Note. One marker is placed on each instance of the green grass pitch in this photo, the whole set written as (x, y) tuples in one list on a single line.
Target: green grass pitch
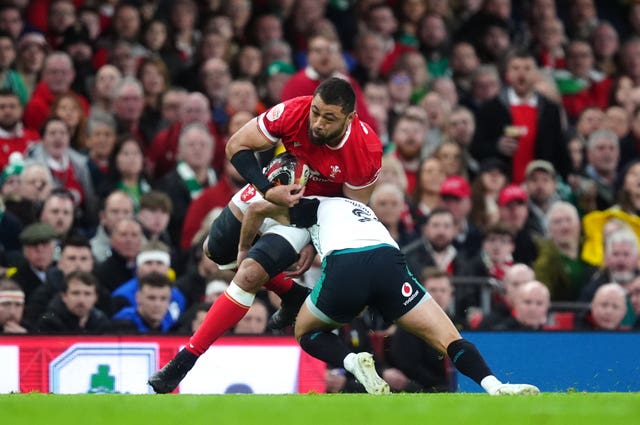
[(309, 409)]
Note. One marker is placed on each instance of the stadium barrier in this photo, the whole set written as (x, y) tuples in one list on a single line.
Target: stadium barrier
[(554, 361)]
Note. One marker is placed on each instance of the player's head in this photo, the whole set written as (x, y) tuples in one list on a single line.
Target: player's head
[(332, 110)]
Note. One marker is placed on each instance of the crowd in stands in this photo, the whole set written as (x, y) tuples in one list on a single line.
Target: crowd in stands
[(511, 132)]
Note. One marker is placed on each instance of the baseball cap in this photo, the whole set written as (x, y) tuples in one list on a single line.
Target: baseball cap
[(455, 186), (37, 233), (540, 164), (512, 193), (280, 67)]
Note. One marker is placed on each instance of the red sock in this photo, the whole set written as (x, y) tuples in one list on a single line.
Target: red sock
[(222, 316), (279, 284)]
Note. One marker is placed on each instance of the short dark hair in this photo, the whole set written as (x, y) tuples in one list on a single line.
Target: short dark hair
[(431, 272), (76, 240), (156, 200), (439, 211), (337, 91), (499, 229), (155, 280), (85, 277), (5, 92)]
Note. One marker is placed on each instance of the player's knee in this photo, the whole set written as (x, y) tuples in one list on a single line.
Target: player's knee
[(251, 276), (273, 253)]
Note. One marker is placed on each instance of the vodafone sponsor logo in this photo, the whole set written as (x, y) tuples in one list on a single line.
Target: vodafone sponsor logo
[(408, 293)]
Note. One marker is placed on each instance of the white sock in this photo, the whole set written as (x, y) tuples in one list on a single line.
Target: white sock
[(240, 295), (350, 361), (490, 383)]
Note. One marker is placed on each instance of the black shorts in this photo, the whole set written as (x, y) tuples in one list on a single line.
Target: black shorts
[(224, 236), (375, 276)]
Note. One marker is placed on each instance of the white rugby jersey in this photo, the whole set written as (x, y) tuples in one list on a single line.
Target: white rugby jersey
[(344, 223)]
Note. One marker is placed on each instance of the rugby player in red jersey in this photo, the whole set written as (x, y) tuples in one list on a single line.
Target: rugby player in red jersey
[(344, 155)]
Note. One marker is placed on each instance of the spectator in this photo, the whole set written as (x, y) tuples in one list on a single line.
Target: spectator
[(75, 255), (408, 136), (69, 108), (634, 299), (68, 167), (369, 54), (117, 205), (57, 76), (460, 128), (255, 321), (126, 170), (38, 247), (581, 85), (58, 212), (450, 155), (153, 258), (520, 125), (36, 184), (628, 182), (74, 311), (559, 264), (455, 194), (154, 77), (620, 263), (101, 138), (388, 202), (608, 309), (154, 213), (606, 45), (277, 73), (192, 174), (214, 78), (151, 314), (11, 20), (603, 154), (119, 267), (485, 190), (13, 136), (426, 195), (11, 308), (128, 105), (434, 43), (513, 211), (530, 308), (485, 86), (9, 78), (80, 47), (540, 184), (164, 149), (463, 62), (32, 50), (502, 304), (107, 78), (435, 246)]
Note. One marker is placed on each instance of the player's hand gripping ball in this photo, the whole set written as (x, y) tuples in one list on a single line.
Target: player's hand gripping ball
[(285, 169)]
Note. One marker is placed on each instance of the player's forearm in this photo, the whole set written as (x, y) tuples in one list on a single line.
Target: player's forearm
[(251, 223)]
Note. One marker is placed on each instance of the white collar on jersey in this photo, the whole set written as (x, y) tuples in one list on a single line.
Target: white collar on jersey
[(344, 139)]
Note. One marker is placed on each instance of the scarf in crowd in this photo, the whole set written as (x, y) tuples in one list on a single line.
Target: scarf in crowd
[(189, 177)]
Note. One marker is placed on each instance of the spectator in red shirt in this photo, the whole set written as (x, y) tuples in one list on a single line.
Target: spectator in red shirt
[(13, 137), (57, 76)]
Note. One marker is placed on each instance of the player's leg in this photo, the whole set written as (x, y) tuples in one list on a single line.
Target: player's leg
[(335, 300), (401, 298), (431, 323), (281, 240)]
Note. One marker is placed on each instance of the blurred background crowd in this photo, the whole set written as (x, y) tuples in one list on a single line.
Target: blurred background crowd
[(510, 179)]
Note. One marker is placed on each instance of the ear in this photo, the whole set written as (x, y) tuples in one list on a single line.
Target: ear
[(351, 116)]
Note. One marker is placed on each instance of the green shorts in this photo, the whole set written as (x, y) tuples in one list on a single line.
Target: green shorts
[(375, 276)]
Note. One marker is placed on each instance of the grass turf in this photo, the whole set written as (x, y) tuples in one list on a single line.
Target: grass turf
[(477, 409)]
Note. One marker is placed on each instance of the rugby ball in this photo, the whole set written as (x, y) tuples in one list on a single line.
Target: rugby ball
[(286, 169)]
